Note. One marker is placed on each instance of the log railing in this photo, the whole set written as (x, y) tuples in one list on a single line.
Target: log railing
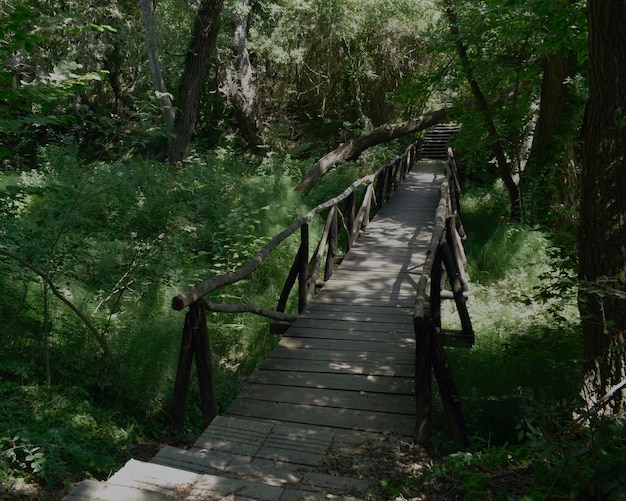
[(444, 265), (348, 212)]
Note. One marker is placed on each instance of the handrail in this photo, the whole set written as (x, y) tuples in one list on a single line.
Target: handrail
[(445, 258), (197, 292), (195, 340)]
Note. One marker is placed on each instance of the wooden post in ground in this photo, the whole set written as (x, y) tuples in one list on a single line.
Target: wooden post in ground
[(449, 394), (423, 326), (195, 344), (303, 268), (183, 375), (204, 365)]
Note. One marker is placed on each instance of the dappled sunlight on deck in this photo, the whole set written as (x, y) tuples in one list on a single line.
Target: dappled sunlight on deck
[(347, 363)]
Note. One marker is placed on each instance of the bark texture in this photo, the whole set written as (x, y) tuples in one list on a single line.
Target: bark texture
[(240, 87), (483, 105), (602, 232), (164, 99), (550, 173), (196, 66)]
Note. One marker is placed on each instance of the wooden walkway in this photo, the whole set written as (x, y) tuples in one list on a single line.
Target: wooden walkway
[(348, 361), (342, 374)]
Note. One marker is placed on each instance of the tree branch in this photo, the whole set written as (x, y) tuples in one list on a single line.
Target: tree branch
[(88, 323), (250, 308), (353, 148)]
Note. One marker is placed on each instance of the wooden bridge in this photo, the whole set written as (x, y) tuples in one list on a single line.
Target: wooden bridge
[(344, 372)]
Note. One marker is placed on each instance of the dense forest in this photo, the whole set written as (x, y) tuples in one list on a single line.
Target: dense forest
[(147, 146)]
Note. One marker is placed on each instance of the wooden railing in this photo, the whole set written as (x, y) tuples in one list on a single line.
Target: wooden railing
[(444, 265), (348, 212)]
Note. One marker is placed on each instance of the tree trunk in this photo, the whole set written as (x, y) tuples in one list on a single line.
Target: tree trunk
[(353, 148), (549, 174), (481, 101), (602, 232), (239, 86), (196, 66), (164, 99)]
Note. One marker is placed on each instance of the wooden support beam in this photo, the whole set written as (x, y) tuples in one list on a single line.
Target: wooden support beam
[(449, 393), (195, 344), (303, 268), (204, 365), (423, 374), (183, 375)]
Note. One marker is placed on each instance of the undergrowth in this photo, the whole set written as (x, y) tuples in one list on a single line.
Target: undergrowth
[(118, 240), (519, 385)]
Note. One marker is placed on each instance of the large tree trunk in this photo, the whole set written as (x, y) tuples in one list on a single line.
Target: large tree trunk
[(550, 175), (163, 97), (240, 87), (196, 66), (353, 148), (481, 101), (602, 233)]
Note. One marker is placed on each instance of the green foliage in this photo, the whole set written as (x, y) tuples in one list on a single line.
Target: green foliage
[(35, 89), (584, 463), (520, 383), (335, 61), (120, 240), (525, 318), (57, 436)]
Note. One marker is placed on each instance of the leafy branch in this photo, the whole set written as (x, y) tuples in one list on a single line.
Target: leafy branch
[(100, 337)]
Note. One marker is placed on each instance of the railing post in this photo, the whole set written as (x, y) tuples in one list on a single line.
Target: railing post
[(388, 181), (333, 234), (350, 215), (380, 187), (451, 262), (303, 268), (449, 394), (436, 279), (204, 365), (195, 344), (423, 327), (183, 375)]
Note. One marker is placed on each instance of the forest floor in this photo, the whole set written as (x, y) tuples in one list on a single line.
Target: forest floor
[(397, 470)]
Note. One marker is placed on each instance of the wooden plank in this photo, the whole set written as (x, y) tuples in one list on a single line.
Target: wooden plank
[(342, 345), (385, 353), (390, 316), (328, 417), (346, 298), (375, 368), (354, 382), (387, 337), (382, 280), (405, 266), (322, 397), (322, 323), (359, 308)]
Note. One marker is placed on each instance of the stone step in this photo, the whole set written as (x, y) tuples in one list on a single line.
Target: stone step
[(140, 481), (238, 459), (435, 144)]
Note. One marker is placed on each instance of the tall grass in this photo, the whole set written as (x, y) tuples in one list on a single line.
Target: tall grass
[(528, 339), (120, 239)]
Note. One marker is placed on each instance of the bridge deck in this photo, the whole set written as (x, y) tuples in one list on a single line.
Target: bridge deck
[(342, 374), (348, 361)]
